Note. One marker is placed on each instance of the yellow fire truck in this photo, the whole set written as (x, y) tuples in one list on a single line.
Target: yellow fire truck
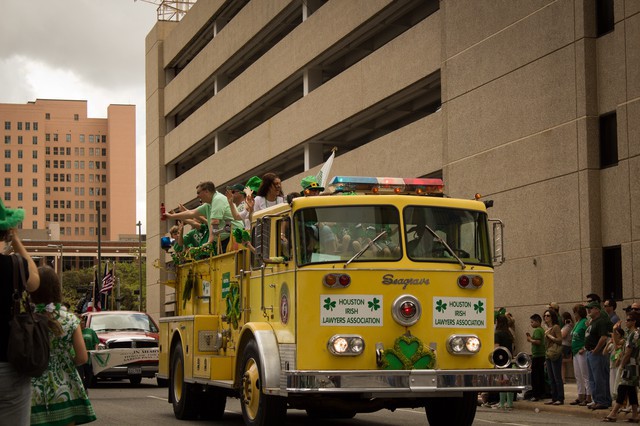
[(378, 296)]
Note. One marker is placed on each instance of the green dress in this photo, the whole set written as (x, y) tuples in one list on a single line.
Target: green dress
[(58, 396)]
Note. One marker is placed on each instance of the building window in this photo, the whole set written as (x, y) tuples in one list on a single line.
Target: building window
[(19, 140), (604, 16), (7, 168), (608, 140), (7, 196), (55, 137), (47, 137), (19, 196), (612, 272), (7, 125), (34, 140), (7, 139), (19, 153), (27, 125), (34, 224), (19, 125), (35, 196), (19, 181), (35, 211), (34, 168), (34, 154), (35, 126), (82, 138), (47, 116), (68, 137), (7, 182), (7, 153), (19, 168), (76, 117), (34, 182)]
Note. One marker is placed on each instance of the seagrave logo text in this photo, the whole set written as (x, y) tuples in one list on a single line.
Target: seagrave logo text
[(389, 279)]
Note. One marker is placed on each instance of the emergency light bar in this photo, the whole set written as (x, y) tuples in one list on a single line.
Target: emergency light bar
[(387, 185)]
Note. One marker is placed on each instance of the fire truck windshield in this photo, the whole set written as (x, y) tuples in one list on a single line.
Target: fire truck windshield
[(331, 234), (460, 235), (431, 234)]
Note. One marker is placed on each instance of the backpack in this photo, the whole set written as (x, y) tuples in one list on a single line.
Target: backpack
[(29, 343)]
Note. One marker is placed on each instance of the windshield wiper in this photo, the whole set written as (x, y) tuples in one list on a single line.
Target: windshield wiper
[(360, 253), (444, 243)]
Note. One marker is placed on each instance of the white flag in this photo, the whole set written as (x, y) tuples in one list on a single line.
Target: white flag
[(323, 175)]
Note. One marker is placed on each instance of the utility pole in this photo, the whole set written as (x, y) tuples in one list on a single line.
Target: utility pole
[(60, 248), (139, 225)]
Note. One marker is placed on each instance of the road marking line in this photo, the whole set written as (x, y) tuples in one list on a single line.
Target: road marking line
[(156, 397)]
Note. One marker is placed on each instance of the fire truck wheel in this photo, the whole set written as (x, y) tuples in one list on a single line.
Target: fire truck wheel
[(452, 411), (182, 394), (258, 408), (135, 380)]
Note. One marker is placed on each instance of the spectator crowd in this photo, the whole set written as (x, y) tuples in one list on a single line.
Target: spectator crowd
[(602, 347)]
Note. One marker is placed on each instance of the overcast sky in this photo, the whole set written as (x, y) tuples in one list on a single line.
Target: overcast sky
[(89, 50)]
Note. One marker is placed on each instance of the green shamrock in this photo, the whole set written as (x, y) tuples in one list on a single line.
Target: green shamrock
[(374, 306), (328, 304), (408, 353), (478, 307), (441, 307)]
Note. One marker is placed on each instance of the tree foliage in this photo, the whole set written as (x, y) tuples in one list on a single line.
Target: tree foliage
[(78, 284)]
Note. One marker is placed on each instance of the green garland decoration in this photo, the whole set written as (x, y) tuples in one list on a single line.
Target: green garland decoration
[(189, 284), (408, 353), (241, 235), (232, 300)]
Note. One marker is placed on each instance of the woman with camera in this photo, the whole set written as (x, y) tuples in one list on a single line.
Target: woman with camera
[(629, 365)]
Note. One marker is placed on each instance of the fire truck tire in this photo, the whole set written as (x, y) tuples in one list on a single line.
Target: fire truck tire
[(182, 394), (257, 408), (452, 411), (135, 380)]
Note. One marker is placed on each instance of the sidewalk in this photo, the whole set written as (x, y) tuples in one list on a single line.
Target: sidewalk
[(570, 394)]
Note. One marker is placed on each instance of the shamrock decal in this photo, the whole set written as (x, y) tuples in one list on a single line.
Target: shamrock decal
[(408, 353), (329, 304), (441, 307), (375, 305), (478, 307)]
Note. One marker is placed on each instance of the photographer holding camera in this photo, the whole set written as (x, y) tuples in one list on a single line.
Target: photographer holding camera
[(629, 365)]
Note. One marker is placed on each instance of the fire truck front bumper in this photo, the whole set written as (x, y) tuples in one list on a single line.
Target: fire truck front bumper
[(412, 382)]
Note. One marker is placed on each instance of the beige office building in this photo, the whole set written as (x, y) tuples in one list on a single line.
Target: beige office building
[(533, 104), (60, 166)]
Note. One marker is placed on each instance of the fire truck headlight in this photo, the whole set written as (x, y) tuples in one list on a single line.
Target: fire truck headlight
[(473, 344), (456, 344), (406, 310), (346, 345), (463, 344)]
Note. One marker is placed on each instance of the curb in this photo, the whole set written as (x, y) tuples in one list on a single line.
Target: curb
[(574, 410)]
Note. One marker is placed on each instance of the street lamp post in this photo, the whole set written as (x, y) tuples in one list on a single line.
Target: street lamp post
[(139, 225), (60, 248)]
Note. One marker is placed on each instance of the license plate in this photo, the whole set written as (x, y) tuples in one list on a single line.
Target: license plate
[(134, 371)]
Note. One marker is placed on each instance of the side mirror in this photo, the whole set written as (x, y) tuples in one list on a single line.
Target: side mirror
[(497, 241)]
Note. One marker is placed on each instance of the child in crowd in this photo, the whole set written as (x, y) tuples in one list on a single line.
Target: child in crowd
[(536, 338), (59, 394)]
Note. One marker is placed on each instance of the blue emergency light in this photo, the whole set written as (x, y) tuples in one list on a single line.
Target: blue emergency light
[(387, 185)]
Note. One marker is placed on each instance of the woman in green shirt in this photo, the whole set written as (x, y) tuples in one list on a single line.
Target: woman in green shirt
[(580, 369)]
